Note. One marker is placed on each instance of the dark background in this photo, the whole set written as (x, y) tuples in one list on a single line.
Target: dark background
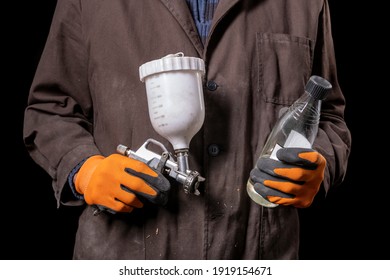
[(351, 224)]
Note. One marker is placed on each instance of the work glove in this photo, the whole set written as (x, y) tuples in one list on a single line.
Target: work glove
[(119, 184), (293, 180)]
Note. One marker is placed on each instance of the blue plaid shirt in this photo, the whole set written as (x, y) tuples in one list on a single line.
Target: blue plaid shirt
[(202, 11)]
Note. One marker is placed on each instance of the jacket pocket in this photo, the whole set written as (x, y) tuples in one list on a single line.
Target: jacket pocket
[(284, 63)]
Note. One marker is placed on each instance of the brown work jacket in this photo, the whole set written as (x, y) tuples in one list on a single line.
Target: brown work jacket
[(87, 97)]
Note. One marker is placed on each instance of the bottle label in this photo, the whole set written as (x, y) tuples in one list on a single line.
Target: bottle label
[(294, 140)]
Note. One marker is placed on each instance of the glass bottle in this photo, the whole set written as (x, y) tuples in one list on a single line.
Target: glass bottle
[(297, 127)]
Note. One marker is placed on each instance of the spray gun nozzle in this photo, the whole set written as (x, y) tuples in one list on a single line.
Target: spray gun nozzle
[(192, 182)]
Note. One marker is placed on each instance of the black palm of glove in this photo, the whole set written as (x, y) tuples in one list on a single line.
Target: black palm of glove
[(293, 180)]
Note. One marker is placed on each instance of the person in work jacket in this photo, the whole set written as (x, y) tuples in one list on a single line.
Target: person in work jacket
[(87, 97)]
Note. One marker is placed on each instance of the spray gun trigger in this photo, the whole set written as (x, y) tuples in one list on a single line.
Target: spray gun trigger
[(163, 160)]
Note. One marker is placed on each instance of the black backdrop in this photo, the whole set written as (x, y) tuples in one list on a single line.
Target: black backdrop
[(352, 224)]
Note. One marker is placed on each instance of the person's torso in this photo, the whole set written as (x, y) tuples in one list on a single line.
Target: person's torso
[(258, 57)]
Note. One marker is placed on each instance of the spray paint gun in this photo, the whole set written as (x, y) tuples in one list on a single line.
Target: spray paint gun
[(176, 110)]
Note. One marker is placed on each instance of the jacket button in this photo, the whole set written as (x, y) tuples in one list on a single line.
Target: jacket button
[(213, 150), (211, 85)]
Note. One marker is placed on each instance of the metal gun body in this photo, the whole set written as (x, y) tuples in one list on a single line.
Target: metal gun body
[(165, 164)]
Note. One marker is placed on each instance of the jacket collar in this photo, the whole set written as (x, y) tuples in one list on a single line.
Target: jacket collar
[(180, 11)]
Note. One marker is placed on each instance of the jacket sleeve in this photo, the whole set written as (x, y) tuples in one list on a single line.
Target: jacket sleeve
[(58, 118), (334, 137)]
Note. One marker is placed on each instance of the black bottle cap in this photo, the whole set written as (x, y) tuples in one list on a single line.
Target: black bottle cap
[(318, 87)]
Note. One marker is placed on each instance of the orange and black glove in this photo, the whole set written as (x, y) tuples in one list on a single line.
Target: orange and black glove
[(119, 184), (293, 180)]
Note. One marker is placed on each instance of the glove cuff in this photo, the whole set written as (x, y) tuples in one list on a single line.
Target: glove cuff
[(82, 178)]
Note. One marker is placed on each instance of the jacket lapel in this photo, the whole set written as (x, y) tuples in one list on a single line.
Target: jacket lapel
[(180, 11), (223, 7)]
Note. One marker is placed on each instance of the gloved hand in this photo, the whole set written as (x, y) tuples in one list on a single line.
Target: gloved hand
[(117, 183), (294, 180)]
